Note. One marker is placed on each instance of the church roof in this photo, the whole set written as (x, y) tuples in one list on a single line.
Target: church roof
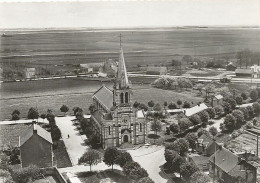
[(121, 72), (105, 96), (35, 129)]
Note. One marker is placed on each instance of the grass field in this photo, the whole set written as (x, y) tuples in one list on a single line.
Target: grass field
[(52, 94)]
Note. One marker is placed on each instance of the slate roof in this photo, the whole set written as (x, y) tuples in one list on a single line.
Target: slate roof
[(225, 160), (218, 97), (204, 139), (105, 96), (39, 131), (195, 109)]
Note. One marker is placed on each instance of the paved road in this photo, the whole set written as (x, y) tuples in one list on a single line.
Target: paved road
[(151, 158)]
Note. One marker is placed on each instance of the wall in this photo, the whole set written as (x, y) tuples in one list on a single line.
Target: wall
[(54, 172)]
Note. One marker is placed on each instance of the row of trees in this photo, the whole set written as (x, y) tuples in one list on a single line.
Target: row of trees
[(168, 82), (113, 156), (34, 114)]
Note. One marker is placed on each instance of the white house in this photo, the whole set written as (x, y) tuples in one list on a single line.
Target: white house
[(256, 71)]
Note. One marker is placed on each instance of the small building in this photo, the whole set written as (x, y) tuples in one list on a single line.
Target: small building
[(217, 100), (152, 70), (206, 145), (196, 109), (256, 71), (36, 147), (201, 161), (229, 168), (30, 73), (244, 72), (92, 67)]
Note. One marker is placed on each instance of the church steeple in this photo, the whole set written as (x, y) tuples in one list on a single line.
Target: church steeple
[(122, 77)]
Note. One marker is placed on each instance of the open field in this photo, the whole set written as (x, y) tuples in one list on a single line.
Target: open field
[(140, 46), (52, 94)]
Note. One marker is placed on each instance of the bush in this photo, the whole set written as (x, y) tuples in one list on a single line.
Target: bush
[(64, 109), (16, 112), (27, 174), (184, 124), (33, 113), (195, 119), (186, 104), (172, 106), (175, 128), (15, 117), (55, 133), (254, 95)]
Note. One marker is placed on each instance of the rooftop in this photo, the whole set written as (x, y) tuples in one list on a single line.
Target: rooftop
[(243, 71), (195, 109), (105, 96)]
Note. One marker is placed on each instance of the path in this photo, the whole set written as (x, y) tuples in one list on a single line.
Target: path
[(23, 121), (75, 143), (151, 159)]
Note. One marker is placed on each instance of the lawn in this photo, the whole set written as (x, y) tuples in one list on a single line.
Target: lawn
[(115, 176), (61, 155)]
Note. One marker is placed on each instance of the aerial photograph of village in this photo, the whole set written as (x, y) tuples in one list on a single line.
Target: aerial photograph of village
[(152, 100)]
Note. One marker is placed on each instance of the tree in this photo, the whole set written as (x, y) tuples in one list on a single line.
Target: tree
[(55, 133), (145, 180), (244, 96), (133, 170), (151, 104), (186, 104), (51, 118), (165, 104), (110, 156), (202, 131), (232, 103), (175, 128), (256, 108), (239, 116), (27, 174), (200, 177), (187, 58), (94, 140), (245, 112), (227, 107), (250, 110), (33, 113), (254, 95), (43, 116), (230, 122), (136, 104), (6, 176), (157, 107), (213, 131), (179, 102), (15, 117), (91, 108), (209, 88), (180, 145), (204, 116), (192, 139), (187, 169), (172, 106), (173, 160), (156, 126), (211, 112), (89, 158), (239, 100), (195, 119), (218, 109), (64, 109), (123, 158), (184, 124), (143, 106), (200, 87), (76, 109), (16, 112)]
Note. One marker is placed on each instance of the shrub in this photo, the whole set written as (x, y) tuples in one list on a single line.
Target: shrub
[(175, 128), (195, 119), (186, 104), (213, 131), (184, 124), (254, 95), (172, 106), (64, 109), (15, 117), (27, 174), (33, 113)]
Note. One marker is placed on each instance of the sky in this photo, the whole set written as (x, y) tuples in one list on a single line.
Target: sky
[(121, 14)]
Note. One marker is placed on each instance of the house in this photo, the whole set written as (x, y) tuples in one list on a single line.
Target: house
[(217, 100), (116, 123), (206, 145), (110, 67), (243, 73), (229, 168), (202, 162), (152, 70), (30, 73), (256, 71), (196, 109), (92, 67), (36, 147)]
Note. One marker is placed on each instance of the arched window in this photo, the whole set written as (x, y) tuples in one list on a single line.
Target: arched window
[(126, 97), (122, 98), (109, 130), (140, 127)]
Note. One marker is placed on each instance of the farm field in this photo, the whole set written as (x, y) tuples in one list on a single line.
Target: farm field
[(153, 46), (52, 94)]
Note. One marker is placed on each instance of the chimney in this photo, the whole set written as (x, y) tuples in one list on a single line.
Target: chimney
[(34, 129)]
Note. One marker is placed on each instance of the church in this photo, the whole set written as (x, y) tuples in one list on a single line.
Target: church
[(116, 121)]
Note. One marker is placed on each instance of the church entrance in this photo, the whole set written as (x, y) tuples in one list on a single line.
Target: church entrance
[(125, 138)]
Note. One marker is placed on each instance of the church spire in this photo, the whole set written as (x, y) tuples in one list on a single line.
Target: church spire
[(122, 77)]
